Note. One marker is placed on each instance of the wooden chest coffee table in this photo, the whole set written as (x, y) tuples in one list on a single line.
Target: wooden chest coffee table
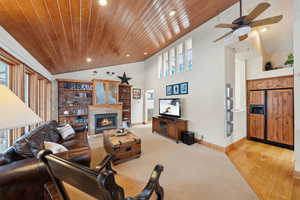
[(125, 147)]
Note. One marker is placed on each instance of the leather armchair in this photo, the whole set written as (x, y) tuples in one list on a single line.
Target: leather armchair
[(24, 178), (92, 184)]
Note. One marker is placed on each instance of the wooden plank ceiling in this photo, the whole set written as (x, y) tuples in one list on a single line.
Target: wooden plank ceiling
[(61, 34)]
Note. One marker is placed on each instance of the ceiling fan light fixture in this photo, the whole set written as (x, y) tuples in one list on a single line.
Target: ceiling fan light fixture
[(103, 2), (242, 31)]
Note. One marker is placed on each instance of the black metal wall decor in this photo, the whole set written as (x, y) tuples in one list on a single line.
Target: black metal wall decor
[(124, 79)]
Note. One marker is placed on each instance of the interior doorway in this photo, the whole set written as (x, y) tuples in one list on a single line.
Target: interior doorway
[(149, 105)]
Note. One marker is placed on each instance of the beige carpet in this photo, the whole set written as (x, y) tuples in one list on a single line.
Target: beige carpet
[(191, 172)]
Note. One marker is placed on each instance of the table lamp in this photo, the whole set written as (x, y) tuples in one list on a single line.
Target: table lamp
[(14, 113)]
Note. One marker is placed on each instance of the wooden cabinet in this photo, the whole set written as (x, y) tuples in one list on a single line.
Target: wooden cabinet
[(271, 83), (169, 127), (280, 116), (256, 122), (257, 126), (257, 97), (276, 124), (125, 99)]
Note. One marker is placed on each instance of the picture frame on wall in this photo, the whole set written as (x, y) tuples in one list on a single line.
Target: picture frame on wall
[(169, 90), (136, 93), (184, 88), (176, 89)]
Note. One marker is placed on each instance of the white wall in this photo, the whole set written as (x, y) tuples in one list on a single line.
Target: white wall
[(273, 45), (9, 44), (257, 73), (239, 116), (133, 70), (297, 81), (253, 50), (278, 40), (203, 107)]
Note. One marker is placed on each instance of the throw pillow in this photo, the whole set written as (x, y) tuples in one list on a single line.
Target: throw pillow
[(32, 142), (47, 131), (66, 132), (54, 147), (36, 143), (22, 147)]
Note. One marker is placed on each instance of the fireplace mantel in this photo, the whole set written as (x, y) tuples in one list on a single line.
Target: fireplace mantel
[(101, 106), (103, 109)]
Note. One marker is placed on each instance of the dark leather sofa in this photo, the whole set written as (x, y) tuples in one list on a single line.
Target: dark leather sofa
[(22, 175)]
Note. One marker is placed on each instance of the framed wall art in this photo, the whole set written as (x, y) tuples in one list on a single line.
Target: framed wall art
[(136, 93), (176, 89), (184, 88), (169, 90)]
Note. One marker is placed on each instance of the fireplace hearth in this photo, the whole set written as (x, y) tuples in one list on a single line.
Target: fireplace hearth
[(105, 121)]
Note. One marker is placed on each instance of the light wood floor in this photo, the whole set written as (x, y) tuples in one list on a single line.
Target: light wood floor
[(267, 169)]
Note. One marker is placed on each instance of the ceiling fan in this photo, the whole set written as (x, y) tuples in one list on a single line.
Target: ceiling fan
[(243, 25)]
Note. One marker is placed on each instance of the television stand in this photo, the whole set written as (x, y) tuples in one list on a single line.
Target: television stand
[(170, 127)]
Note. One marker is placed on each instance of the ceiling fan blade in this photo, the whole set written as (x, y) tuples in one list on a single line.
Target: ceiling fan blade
[(267, 21), (226, 26), (260, 8), (224, 36), (243, 37)]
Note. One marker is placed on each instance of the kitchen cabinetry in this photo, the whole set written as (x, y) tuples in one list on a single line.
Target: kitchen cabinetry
[(271, 111)]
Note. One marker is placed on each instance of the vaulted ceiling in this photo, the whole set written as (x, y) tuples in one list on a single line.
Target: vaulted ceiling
[(62, 34)]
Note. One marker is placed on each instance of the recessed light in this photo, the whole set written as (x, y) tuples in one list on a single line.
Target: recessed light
[(263, 29), (127, 55), (145, 53), (172, 13), (103, 2), (88, 60)]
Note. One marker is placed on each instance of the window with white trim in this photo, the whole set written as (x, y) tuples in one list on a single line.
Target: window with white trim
[(172, 61), (177, 59), (4, 80), (4, 73), (26, 94), (166, 63), (189, 54), (160, 66), (180, 57)]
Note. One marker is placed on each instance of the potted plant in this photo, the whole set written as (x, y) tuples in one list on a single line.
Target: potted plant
[(290, 60)]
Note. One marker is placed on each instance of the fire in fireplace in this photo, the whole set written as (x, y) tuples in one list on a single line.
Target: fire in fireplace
[(105, 122)]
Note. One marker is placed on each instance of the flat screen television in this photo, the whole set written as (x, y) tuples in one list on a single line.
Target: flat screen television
[(170, 107)]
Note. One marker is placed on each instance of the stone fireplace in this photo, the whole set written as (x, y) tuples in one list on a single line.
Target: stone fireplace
[(104, 117)]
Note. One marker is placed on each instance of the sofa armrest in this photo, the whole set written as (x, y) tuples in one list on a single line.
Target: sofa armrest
[(21, 170), (80, 140), (31, 168), (80, 155)]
